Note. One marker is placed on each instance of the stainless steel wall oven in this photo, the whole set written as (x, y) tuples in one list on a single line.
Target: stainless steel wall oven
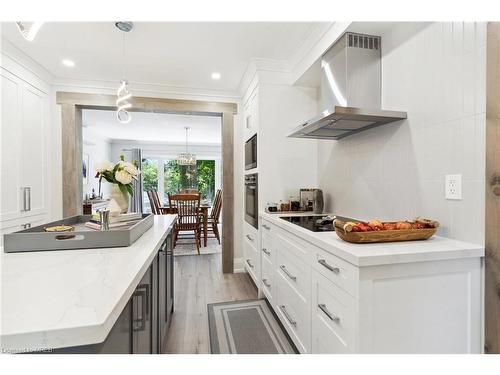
[(252, 199)]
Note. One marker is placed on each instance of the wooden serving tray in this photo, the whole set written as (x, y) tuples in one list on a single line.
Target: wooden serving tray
[(384, 235)]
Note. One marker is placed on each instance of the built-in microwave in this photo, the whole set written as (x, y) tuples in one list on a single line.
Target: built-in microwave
[(251, 199), (251, 153)]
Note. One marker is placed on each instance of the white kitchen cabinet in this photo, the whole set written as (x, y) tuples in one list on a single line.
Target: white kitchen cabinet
[(423, 301), (251, 114), (333, 317), (251, 253), (24, 151)]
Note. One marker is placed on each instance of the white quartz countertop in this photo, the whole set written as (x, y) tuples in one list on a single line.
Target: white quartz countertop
[(54, 299), (435, 248)]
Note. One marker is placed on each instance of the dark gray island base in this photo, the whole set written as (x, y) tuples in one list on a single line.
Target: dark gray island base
[(142, 326)]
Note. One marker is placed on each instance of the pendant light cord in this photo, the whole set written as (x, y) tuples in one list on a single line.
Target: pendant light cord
[(123, 56)]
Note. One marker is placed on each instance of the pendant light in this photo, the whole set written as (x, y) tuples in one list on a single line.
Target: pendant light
[(186, 158), (123, 94)]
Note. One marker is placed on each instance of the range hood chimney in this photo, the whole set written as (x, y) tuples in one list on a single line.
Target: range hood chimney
[(350, 90)]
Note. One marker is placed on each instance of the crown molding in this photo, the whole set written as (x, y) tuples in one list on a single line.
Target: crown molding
[(11, 54), (147, 89)]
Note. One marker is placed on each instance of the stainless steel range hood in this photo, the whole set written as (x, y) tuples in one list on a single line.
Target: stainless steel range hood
[(350, 91)]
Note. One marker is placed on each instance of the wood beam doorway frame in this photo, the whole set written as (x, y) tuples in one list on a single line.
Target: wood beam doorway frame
[(72, 105)]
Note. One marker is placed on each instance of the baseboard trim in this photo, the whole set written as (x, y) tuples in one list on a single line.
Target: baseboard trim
[(239, 265)]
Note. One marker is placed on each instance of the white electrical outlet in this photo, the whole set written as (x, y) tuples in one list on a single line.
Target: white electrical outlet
[(453, 186)]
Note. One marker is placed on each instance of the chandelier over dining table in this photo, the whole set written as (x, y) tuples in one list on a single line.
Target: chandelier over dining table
[(186, 158)]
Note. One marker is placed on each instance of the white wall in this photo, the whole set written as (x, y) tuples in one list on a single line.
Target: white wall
[(285, 164), (436, 73), (99, 149)]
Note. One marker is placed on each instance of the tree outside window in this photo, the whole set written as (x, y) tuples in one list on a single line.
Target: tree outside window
[(177, 177)]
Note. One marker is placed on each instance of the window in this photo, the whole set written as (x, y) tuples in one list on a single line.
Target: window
[(201, 177), (176, 177), (149, 172)]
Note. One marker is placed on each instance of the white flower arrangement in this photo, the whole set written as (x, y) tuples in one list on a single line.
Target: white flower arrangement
[(121, 173)]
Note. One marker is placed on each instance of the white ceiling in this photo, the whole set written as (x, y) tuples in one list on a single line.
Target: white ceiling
[(182, 54), (155, 127)]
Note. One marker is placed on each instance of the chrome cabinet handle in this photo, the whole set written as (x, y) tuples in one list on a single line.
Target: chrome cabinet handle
[(332, 317), (287, 316), (267, 252), (328, 266), (250, 264), (140, 320), (26, 226), (294, 278), (264, 281), (249, 237), (267, 227), (28, 189), (25, 197)]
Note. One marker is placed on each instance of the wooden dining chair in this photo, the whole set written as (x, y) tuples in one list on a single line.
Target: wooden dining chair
[(156, 207), (213, 218), (187, 207)]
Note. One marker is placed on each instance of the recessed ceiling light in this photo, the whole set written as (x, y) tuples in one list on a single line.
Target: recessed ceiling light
[(68, 62), (215, 75)]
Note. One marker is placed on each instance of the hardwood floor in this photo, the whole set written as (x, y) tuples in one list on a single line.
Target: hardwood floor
[(198, 281)]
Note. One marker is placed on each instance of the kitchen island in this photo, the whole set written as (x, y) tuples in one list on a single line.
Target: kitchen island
[(399, 297), (89, 300)]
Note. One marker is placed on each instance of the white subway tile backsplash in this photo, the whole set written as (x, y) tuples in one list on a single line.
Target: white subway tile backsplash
[(436, 72), (481, 33), (480, 147), (480, 80), (469, 83), (468, 216), (469, 36)]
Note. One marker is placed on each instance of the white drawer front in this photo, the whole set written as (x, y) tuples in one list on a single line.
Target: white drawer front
[(267, 227), (268, 286), (342, 273), (333, 317), (252, 262), (295, 314), (290, 243), (251, 236), (296, 273), (268, 248)]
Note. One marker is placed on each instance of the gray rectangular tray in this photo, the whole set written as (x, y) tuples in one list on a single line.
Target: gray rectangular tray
[(36, 239)]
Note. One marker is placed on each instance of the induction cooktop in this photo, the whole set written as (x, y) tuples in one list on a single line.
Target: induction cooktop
[(314, 223)]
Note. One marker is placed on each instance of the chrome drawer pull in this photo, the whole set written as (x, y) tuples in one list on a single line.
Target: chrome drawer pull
[(326, 265), (264, 281), (28, 189), (250, 264), (287, 316), (332, 317), (267, 252), (294, 278), (266, 227), (249, 237)]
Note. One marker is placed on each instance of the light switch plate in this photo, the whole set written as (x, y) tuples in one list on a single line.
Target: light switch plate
[(453, 186)]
